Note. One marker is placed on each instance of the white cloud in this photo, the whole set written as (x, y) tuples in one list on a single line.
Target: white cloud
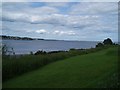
[(71, 33), (58, 32), (26, 14), (50, 15), (53, 19), (42, 31)]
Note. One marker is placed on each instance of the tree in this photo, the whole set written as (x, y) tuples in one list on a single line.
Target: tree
[(7, 50), (4, 49), (99, 45), (40, 52), (31, 53), (108, 41)]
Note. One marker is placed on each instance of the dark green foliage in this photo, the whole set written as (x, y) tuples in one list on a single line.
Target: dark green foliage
[(40, 52), (16, 38), (55, 52), (100, 45), (108, 41), (72, 49)]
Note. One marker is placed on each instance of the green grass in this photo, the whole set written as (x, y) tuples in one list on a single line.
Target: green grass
[(13, 66), (90, 70)]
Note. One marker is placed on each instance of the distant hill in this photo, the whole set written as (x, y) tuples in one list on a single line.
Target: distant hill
[(4, 37), (17, 38)]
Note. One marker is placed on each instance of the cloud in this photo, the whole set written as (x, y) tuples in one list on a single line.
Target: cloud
[(94, 0), (54, 0), (27, 8), (58, 32), (15, 1), (42, 31), (42, 10), (61, 1), (78, 21), (95, 8), (15, 12), (57, 4), (51, 15)]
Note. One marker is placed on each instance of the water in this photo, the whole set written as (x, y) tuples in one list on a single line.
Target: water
[(26, 46)]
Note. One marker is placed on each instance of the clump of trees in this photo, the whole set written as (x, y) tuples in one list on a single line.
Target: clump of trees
[(106, 42), (16, 38), (100, 45), (40, 52)]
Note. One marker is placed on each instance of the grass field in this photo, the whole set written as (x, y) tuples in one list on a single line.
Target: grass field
[(90, 70)]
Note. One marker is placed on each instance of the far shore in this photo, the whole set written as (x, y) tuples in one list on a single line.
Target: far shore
[(4, 37)]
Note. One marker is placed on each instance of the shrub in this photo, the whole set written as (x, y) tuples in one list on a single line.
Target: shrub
[(7, 50), (40, 52), (108, 41), (31, 53), (100, 45)]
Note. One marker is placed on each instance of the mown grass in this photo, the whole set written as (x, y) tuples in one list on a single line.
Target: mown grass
[(13, 66), (83, 71)]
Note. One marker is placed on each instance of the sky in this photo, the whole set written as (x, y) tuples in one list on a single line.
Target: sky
[(60, 0), (82, 21)]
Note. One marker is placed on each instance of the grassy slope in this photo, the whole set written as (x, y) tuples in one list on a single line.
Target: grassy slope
[(80, 71)]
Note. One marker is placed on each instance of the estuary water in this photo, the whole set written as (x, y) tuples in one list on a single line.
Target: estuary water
[(26, 46)]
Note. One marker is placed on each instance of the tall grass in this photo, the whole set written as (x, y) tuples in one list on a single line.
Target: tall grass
[(17, 65)]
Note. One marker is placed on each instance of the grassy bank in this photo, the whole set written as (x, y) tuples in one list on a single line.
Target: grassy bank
[(90, 70), (14, 66)]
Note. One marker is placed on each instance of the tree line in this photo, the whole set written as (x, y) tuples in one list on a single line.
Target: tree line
[(107, 41)]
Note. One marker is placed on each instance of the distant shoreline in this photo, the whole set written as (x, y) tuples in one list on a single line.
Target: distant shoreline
[(5, 37)]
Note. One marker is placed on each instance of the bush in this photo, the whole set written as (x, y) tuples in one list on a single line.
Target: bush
[(4, 50), (100, 45), (40, 52), (55, 52), (108, 41), (7, 50)]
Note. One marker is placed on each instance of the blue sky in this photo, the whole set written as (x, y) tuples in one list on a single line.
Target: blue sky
[(86, 21)]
